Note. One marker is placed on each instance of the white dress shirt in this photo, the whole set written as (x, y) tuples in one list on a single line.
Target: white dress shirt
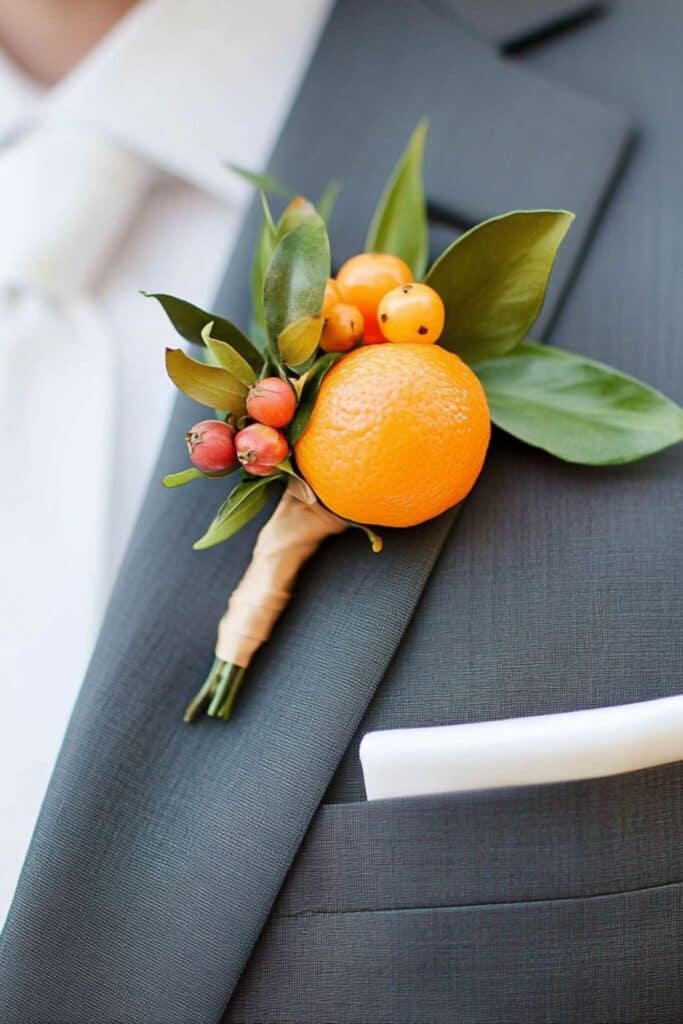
[(173, 91)]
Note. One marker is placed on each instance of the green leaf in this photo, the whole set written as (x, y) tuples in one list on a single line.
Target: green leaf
[(210, 385), (309, 393), (577, 409), (328, 199), (185, 476), (263, 254), (241, 505), (493, 280), (299, 340), (298, 211), (189, 321), (296, 278), (264, 182), (228, 357), (399, 224)]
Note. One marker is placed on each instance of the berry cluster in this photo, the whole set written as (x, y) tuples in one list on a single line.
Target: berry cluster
[(216, 448), (374, 299)]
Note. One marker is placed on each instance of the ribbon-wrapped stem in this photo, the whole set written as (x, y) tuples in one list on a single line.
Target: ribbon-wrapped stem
[(293, 533)]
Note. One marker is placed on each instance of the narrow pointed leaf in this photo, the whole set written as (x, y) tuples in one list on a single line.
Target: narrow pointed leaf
[(299, 340), (263, 254), (210, 385), (493, 281), (309, 393), (189, 321), (264, 182), (577, 409), (185, 476), (228, 357), (328, 200), (399, 224), (296, 278), (239, 508)]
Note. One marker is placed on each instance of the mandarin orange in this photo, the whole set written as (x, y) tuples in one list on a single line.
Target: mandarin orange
[(397, 435), (364, 279)]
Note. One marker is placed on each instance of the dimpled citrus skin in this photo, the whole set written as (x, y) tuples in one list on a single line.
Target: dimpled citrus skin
[(398, 434)]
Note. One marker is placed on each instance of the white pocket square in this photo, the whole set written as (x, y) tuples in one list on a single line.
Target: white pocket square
[(522, 751)]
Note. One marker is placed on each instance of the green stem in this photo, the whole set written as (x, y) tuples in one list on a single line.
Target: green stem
[(202, 698), (225, 710), (225, 676), (218, 693)]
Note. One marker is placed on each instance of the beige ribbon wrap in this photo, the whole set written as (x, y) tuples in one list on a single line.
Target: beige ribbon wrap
[(293, 533)]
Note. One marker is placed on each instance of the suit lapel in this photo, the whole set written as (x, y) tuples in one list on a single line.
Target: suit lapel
[(167, 844)]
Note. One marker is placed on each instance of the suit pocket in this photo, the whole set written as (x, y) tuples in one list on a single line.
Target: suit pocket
[(611, 959), (555, 903), (586, 838)]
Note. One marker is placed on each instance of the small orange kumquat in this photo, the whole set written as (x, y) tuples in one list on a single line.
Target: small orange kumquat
[(365, 279), (343, 328), (411, 314)]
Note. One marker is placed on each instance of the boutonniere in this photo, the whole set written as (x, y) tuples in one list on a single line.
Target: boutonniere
[(370, 395)]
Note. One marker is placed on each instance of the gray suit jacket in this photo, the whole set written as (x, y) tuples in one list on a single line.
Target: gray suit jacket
[(182, 875)]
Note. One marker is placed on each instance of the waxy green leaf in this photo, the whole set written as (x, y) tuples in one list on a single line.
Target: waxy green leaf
[(309, 393), (189, 321), (241, 505), (298, 211), (263, 254), (577, 409), (296, 278), (399, 224), (228, 357), (493, 281), (264, 182), (185, 476), (299, 340), (210, 385)]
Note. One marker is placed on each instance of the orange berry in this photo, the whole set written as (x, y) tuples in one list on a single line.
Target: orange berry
[(365, 279), (343, 328), (372, 334), (412, 313), (331, 297), (398, 434)]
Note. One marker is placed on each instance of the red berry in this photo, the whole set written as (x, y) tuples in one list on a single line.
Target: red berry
[(272, 401), (261, 448), (211, 445)]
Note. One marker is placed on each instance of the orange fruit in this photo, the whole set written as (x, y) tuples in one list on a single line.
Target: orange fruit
[(343, 328), (331, 296), (372, 335), (397, 435), (412, 313), (364, 279)]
